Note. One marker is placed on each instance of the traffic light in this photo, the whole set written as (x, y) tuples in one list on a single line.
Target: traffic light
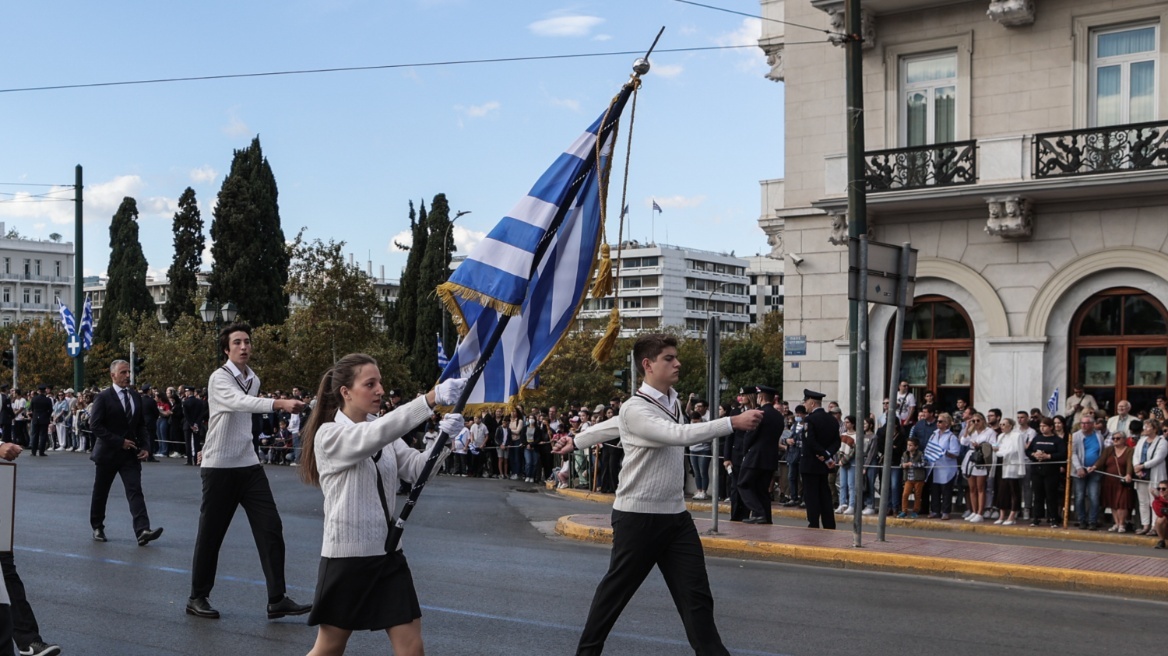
[(622, 380), (9, 359), (139, 365)]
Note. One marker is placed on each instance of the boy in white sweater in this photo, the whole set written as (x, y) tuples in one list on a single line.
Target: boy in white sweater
[(233, 476), (650, 525)]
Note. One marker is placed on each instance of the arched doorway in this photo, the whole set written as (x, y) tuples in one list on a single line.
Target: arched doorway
[(1119, 348), (937, 354)]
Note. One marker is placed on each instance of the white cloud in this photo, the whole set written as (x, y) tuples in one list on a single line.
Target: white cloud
[(102, 200), (675, 202), (602, 37), (687, 30), (566, 103), (666, 70), (158, 206), (747, 34), (479, 111), (204, 174), (464, 239), (39, 227), (574, 26), (235, 126)]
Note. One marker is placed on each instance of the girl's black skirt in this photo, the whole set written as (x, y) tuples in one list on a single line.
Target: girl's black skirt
[(366, 593)]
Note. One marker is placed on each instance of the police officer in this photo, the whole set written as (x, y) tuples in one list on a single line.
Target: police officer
[(794, 454), (821, 441), (761, 458), (732, 453)]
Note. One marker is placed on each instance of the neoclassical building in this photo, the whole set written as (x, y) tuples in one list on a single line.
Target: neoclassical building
[(1022, 147)]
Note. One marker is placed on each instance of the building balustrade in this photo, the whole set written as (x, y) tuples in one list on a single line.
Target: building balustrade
[(1111, 149), (937, 165)]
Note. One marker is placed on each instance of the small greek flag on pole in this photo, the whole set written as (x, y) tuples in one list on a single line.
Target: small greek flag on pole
[(442, 359), (1052, 404), (67, 320), (656, 207), (87, 325)]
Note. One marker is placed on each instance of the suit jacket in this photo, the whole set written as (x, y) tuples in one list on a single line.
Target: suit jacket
[(733, 449), (6, 414), (821, 439), (194, 412), (110, 426), (761, 445), (40, 409)]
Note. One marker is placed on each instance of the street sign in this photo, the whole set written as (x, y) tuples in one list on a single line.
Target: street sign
[(73, 346), (881, 288), (795, 345), (882, 258)]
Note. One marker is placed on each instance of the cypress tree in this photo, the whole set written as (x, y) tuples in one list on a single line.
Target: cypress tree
[(251, 258), (125, 292), (407, 297), (188, 256), (435, 268)]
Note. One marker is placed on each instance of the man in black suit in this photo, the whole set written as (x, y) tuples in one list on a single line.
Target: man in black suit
[(760, 459), (150, 418), (732, 453), (6, 413), (194, 423), (40, 410), (119, 432), (821, 441)]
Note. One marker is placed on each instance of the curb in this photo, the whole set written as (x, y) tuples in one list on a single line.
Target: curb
[(855, 559), (953, 526)]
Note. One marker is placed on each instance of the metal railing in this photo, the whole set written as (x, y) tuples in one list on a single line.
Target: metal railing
[(936, 165), (1132, 147)]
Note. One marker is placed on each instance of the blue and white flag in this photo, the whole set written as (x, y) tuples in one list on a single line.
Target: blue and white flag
[(625, 211), (1052, 404), (501, 275), (442, 359), (67, 320), (656, 207), (87, 324)]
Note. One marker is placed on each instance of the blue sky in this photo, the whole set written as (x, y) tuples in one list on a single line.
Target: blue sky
[(350, 149)]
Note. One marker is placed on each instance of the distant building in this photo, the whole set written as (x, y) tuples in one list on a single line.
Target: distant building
[(662, 285), (766, 286), (33, 275)]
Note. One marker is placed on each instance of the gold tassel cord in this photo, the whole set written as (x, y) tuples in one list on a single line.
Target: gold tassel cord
[(603, 349), (604, 282)]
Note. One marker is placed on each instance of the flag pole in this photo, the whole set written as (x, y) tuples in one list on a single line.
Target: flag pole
[(488, 349)]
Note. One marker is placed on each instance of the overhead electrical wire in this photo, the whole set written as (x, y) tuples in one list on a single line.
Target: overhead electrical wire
[(765, 18)]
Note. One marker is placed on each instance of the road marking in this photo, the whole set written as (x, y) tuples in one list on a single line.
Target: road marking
[(435, 609)]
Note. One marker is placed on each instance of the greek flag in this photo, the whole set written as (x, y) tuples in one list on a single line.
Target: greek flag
[(1052, 404), (442, 359), (656, 207), (67, 320), (87, 325), (560, 222)]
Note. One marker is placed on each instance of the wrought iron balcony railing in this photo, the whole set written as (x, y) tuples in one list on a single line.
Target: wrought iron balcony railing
[(936, 165), (1132, 147)]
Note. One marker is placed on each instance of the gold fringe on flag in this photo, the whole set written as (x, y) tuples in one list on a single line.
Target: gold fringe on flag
[(447, 292), (604, 283), (603, 349)]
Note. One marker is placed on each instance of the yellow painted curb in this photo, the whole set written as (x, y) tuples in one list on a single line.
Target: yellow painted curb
[(1045, 577), (955, 525)]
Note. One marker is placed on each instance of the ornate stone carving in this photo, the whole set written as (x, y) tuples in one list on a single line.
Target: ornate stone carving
[(1010, 217), (776, 243), (867, 27), (839, 228), (774, 58), (1011, 13)]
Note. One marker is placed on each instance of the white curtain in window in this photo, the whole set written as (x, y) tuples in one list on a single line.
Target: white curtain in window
[(1128, 42), (945, 115), (1108, 105), (1143, 88)]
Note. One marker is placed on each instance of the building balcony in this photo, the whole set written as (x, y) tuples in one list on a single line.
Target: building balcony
[(1112, 149), (937, 165)]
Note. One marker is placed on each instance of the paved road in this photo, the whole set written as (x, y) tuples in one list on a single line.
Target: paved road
[(493, 580)]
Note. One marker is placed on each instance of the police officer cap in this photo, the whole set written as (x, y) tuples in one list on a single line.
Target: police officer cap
[(811, 394), (743, 391), (393, 393), (42, 387), (766, 389)]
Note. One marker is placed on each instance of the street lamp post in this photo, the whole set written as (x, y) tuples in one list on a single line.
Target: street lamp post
[(218, 316)]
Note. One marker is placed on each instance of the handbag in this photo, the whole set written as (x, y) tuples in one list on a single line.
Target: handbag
[(977, 456)]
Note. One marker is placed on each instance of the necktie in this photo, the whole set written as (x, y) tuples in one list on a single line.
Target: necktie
[(126, 403)]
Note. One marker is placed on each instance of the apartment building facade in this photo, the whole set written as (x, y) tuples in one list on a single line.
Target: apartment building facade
[(33, 275)]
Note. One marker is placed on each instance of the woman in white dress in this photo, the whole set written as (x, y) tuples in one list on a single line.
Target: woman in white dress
[(1012, 450), (975, 435)]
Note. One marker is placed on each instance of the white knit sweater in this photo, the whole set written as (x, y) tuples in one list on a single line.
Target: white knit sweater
[(652, 478), (230, 407), (354, 521)]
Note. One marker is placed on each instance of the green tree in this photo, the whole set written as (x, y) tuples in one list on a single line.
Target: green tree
[(250, 257), (181, 353), (126, 291), (435, 268), (188, 257), (404, 326)]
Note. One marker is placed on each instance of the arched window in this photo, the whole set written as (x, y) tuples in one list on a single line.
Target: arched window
[(1119, 348), (937, 354)]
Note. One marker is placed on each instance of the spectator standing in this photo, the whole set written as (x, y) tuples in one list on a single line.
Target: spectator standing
[(1047, 453), (150, 411), (941, 453), (906, 403), (162, 401), (1086, 447), (40, 411), (19, 418), (1078, 403), (1148, 464), (60, 415), (1116, 464), (178, 441), (1012, 451), (194, 419), (1160, 512), (7, 414), (845, 457), (913, 464), (1121, 422)]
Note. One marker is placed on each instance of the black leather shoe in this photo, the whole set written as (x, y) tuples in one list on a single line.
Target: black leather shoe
[(149, 535), (286, 607), (200, 607), (752, 520), (99, 535)]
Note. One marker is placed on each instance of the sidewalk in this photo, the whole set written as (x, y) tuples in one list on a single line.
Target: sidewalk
[(969, 552)]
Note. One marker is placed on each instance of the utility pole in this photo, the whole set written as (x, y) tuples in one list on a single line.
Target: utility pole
[(78, 278), (857, 199)]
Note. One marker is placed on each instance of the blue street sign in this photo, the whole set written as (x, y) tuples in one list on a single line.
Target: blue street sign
[(73, 346)]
